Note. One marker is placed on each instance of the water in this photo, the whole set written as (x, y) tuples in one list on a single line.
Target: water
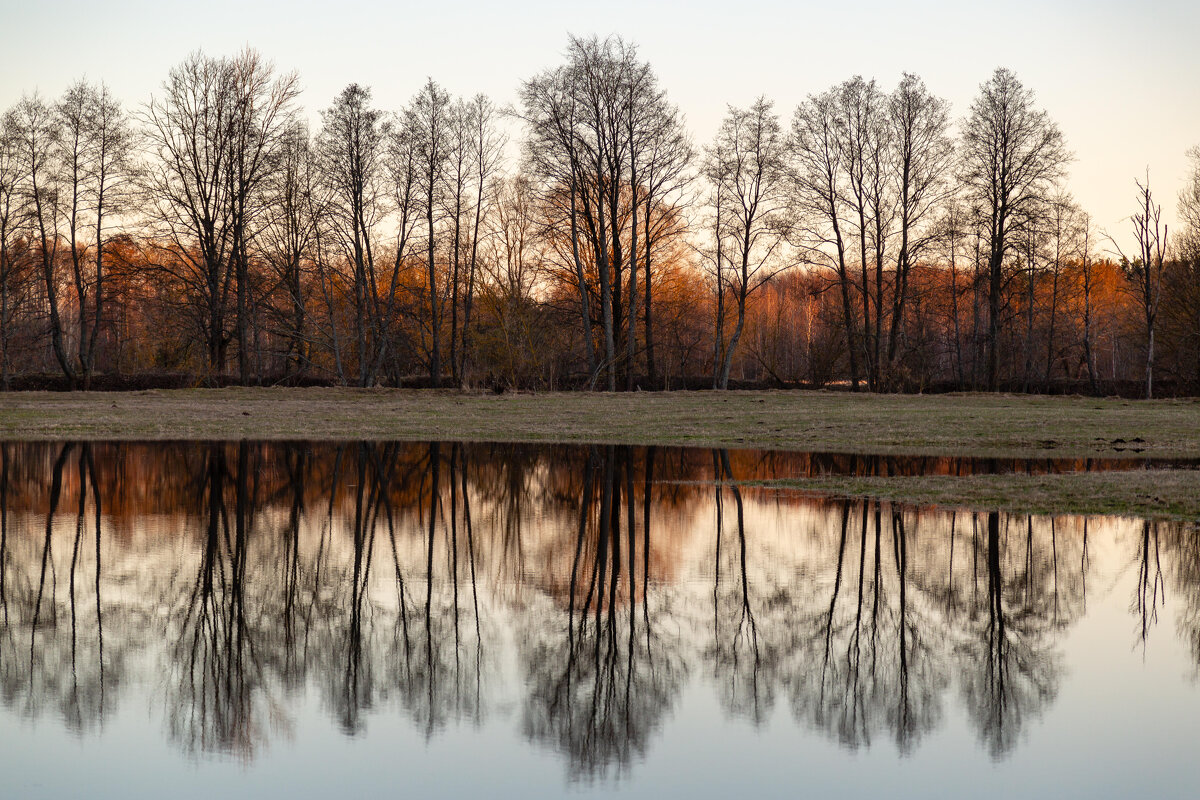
[(256, 619)]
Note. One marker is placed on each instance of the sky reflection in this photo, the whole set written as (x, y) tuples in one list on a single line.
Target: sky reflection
[(605, 618)]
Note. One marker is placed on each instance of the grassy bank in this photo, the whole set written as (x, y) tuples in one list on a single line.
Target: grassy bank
[(953, 424), (950, 424), (1161, 494)]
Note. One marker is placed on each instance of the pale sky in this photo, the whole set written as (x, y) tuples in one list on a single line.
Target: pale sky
[(1121, 79)]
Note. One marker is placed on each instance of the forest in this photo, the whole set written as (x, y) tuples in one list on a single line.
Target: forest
[(217, 233)]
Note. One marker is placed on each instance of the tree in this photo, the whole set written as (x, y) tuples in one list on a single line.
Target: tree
[(554, 156), (96, 151), (186, 192), (488, 146), (659, 158), (293, 200), (870, 168), (1145, 269), (402, 172), (1067, 237), (1012, 153), (35, 132), (429, 122), (475, 155), (1187, 248), (745, 166), (261, 113), (13, 243), (862, 140), (918, 125), (1088, 279), (351, 149), (818, 183), (512, 265), (593, 125), (1189, 201)]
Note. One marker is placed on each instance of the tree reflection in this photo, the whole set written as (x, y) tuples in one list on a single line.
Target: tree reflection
[(1010, 670), (428, 580), (737, 654), (1167, 563), (878, 667), (1150, 591), (1186, 551), (862, 641), (600, 692), (216, 677), (52, 643)]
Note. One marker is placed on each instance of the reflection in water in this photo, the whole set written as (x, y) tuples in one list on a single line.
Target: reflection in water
[(225, 581), (600, 691)]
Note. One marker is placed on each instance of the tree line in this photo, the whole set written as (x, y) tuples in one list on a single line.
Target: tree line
[(213, 235)]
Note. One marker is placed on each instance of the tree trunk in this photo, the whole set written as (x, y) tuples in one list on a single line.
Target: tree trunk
[(631, 338), (584, 310), (606, 305), (435, 352), (743, 290), (993, 355), (647, 317)]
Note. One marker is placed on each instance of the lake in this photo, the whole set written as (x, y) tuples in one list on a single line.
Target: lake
[(254, 619)]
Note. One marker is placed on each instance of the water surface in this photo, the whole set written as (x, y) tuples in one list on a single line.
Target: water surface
[(254, 619)]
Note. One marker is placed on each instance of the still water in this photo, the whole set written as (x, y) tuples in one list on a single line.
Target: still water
[(302, 620)]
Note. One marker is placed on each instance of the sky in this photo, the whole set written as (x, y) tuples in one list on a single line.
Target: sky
[(1122, 80)]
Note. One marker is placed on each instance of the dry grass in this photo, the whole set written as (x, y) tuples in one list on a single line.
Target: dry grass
[(953, 424), (1162, 494)]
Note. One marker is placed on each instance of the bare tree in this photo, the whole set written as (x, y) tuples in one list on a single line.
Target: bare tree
[(475, 156), (351, 148), (746, 167), (186, 189), (36, 133), (73, 157), (96, 150), (1088, 276), (458, 177), (869, 168), (13, 245), (1187, 247), (488, 143), (818, 184), (953, 234), (1012, 153), (1145, 269), (715, 255), (1063, 226), (261, 112), (863, 141), (660, 155), (292, 199), (922, 153), (430, 122), (588, 122), (554, 154)]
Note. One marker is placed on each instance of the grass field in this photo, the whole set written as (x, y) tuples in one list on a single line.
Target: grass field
[(948, 424), (951, 424)]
